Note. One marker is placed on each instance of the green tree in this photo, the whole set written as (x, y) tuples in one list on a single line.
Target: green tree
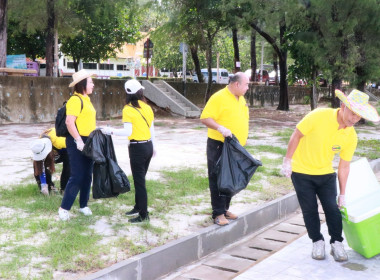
[(105, 27)]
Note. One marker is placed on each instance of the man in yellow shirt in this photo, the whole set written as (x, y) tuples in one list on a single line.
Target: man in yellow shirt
[(317, 138), (225, 113)]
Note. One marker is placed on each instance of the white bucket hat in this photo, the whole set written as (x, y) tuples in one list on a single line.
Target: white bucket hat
[(79, 76), (41, 148), (132, 86), (357, 102)]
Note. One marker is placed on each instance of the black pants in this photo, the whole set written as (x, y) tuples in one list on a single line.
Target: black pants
[(140, 155), (308, 187), (219, 203), (65, 175)]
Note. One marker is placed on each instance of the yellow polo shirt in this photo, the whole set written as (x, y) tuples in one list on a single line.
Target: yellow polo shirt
[(321, 141), (140, 129), (57, 141), (226, 110), (86, 120)]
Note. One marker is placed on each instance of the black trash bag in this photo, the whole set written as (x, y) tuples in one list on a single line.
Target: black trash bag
[(234, 168), (120, 182), (102, 182), (109, 180), (98, 146)]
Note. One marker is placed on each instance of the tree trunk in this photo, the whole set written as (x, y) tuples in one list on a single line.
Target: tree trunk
[(3, 33), (283, 104), (209, 63), (336, 84), (253, 56), (275, 67), (313, 95), (50, 38), (197, 65), (236, 49)]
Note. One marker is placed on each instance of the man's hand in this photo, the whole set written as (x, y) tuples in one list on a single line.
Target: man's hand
[(286, 168), (80, 144), (341, 200), (224, 131)]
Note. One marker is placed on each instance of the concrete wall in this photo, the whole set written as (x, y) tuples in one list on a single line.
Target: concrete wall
[(256, 95), (37, 99)]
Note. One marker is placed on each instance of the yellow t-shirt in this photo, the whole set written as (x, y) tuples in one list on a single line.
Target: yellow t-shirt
[(226, 110), (140, 129), (321, 141), (57, 141), (86, 120)]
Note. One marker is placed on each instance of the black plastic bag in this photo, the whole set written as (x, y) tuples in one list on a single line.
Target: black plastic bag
[(102, 182), (120, 182), (109, 180), (234, 168)]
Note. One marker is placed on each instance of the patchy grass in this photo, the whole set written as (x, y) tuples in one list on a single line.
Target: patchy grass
[(368, 148)]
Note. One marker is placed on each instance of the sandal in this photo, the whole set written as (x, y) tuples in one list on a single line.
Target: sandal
[(221, 220), (230, 216)]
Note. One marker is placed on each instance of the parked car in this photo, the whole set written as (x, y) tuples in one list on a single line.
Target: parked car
[(265, 79), (223, 76), (272, 77)]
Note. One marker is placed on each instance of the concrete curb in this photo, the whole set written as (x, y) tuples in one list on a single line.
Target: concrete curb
[(165, 259)]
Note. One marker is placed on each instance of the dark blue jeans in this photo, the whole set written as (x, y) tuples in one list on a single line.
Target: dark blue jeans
[(139, 157), (80, 176), (219, 203), (308, 188)]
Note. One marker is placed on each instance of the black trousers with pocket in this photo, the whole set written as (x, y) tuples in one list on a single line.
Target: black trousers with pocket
[(140, 155), (308, 188), (219, 203)]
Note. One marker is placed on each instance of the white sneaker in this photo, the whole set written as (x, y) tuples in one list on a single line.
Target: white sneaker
[(64, 215), (338, 252), (318, 252), (85, 211), (45, 189)]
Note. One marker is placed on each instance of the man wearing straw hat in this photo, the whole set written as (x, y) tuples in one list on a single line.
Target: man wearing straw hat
[(320, 135)]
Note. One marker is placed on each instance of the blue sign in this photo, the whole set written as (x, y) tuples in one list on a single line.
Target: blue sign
[(17, 61)]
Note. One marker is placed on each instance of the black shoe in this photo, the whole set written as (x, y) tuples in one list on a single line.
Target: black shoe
[(132, 212), (139, 219)]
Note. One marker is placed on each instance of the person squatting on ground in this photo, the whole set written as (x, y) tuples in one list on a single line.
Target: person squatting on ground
[(43, 164), (320, 135), (225, 113), (80, 123), (59, 155), (138, 120)]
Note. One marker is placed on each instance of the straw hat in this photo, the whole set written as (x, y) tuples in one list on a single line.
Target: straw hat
[(41, 148), (357, 102), (132, 86), (79, 76)]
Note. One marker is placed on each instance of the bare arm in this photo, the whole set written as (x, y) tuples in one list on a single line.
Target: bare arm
[(71, 127), (343, 171), (210, 123), (293, 143)]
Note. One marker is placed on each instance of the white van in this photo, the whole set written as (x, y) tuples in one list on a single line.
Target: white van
[(223, 76)]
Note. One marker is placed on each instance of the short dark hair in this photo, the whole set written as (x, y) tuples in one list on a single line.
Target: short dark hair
[(235, 78), (134, 98), (81, 86)]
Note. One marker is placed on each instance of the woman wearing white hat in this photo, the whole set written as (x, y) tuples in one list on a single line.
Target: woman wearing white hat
[(80, 123), (138, 120), (43, 164), (51, 155), (318, 137)]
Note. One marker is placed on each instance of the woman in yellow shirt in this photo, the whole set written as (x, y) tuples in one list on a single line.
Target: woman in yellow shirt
[(55, 153), (138, 126), (80, 123)]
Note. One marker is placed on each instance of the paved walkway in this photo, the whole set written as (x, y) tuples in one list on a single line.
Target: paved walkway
[(294, 262)]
